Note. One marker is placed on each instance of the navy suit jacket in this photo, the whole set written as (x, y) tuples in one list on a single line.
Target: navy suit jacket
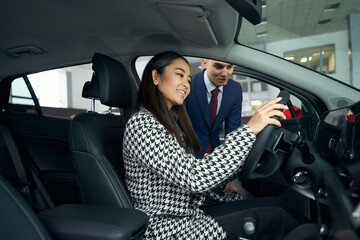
[(198, 109)]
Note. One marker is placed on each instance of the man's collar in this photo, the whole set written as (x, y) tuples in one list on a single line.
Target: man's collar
[(209, 85)]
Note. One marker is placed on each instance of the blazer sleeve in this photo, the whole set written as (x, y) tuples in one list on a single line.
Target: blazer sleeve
[(150, 144), (233, 120)]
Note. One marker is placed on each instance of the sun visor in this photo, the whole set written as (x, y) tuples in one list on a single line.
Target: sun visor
[(181, 17)]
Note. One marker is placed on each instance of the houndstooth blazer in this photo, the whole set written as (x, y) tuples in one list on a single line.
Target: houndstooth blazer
[(170, 185)]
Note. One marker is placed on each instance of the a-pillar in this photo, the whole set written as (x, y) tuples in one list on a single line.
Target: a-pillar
[(354, 35)]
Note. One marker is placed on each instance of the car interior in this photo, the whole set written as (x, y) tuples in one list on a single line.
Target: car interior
[(95, 143), (62, 176), (96, 139)]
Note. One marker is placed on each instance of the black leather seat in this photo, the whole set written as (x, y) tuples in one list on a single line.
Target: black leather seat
[(69, 221), (18, 220), (91, 91), (96, 139)]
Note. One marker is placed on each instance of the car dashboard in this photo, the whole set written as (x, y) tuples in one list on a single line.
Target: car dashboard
[(338, 142), (338, 134), (326, 169)]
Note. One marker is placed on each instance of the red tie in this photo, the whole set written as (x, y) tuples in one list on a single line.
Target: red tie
[(212, 113)]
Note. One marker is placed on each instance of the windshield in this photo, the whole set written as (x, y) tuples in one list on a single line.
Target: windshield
[(323, 35)]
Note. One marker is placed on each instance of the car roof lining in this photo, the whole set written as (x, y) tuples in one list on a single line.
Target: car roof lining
[(70, 33)]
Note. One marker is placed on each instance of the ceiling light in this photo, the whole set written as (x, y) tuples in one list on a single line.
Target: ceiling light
[(256, 102), (310, 58), (331, 7), (328, 10), (263, 21), (263, 4), (289, 58), (262, 34), (303, 60)]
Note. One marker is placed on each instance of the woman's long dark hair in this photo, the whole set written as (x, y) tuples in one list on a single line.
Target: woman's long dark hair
[(176, 121)]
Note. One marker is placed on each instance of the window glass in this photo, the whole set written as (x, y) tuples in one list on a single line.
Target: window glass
[(319, 35), (51, 88), (20, 93), (260, 92), (58, 91), (20, 99), (321, 59)]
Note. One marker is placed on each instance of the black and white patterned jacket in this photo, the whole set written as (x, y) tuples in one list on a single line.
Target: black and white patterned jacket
[(170, 185)]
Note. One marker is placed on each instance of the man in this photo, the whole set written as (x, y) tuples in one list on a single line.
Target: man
[(214, 98), (227, 103)]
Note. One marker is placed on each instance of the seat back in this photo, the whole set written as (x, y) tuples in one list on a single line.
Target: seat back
[(18, 220), (96, 139)]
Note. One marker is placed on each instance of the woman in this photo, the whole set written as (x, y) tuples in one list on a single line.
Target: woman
[(164, 178)]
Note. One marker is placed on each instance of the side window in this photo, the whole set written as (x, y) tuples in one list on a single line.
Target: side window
[(20, 99), (51, 88), (256, 93), (58, 91)]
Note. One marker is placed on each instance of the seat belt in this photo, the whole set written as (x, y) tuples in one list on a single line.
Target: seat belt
[(24, 187), (20, 170), (42, 188)]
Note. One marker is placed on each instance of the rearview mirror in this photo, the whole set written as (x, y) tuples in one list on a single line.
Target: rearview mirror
[(249, 9)]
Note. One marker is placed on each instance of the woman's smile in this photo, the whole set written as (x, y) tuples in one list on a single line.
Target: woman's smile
[(182, 92), (174, 83)]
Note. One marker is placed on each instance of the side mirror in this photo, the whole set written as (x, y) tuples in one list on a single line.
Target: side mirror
[(249, 9)]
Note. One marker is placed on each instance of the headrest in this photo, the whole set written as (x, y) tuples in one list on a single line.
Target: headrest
[(114, 84), (90, 89)]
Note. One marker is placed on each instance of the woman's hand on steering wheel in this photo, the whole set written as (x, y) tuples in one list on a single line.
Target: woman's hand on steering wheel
[(265, 115)]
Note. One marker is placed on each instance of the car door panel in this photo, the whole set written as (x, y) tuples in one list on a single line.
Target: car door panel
[(45, 142)]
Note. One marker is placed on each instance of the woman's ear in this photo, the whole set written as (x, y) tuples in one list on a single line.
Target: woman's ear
[(155, 77)]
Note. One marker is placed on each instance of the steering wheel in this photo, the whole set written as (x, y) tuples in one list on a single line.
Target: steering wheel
[(257, 165)]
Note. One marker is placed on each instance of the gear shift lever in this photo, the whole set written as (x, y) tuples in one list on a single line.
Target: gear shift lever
[(250, 224)]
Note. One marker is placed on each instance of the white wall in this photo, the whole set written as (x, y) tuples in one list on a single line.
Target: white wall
[(340, 39), (79, 75)]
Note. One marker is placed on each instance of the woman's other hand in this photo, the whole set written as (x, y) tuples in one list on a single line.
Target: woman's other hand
[(264, 115), (228, 187)]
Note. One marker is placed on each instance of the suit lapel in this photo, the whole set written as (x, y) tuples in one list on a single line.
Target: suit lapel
[(200, 92)]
